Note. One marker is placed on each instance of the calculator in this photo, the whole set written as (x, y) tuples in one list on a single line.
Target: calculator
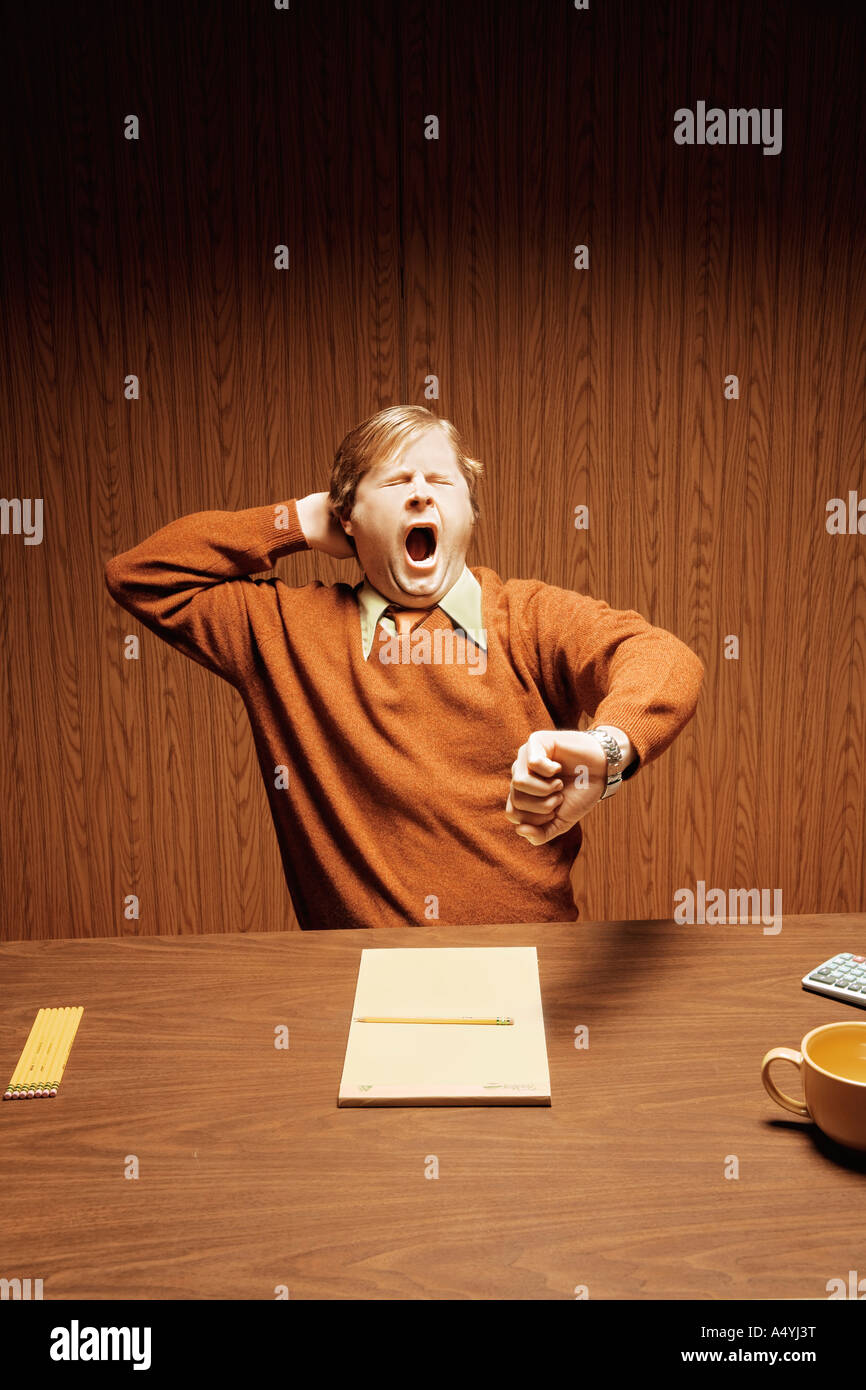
[(841, 977)]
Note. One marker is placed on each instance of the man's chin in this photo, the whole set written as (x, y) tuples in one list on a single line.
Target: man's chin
[(410, 582)]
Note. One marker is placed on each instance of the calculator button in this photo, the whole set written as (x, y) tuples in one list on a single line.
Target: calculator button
[(859, 959), (845, 955)]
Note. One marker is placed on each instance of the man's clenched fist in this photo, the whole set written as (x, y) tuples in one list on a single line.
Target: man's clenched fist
[(557, 776)]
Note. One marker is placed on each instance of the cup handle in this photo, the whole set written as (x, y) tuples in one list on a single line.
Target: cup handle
[(784, 1054)]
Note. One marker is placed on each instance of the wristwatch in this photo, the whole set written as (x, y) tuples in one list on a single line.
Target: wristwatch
[(614, 760)]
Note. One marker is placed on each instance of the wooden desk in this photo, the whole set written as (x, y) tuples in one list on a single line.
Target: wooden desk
[(251, 1177)]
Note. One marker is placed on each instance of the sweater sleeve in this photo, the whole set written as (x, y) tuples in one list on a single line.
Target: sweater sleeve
[(188, 582), (610, 664)]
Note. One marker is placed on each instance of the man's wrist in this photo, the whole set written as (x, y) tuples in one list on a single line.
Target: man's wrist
[(307, 518), (317, 524), (626, 747)]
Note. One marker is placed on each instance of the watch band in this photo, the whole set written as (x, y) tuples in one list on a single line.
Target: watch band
[(614, 760)]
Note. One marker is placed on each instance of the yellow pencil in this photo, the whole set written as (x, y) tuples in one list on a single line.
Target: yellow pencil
[(46, 1040), (34, 1069), (65, 1047), (500, 1021), (11, 1092), (58, 1021)]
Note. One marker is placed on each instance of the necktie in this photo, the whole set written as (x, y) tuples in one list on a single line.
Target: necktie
[(406, 618)]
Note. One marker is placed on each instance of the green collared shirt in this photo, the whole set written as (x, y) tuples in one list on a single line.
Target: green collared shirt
[(462, 604)]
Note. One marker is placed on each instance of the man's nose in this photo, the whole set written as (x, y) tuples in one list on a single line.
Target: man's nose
[(419, 488)]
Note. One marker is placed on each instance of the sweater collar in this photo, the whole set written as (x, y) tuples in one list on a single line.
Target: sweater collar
[(462, 603)]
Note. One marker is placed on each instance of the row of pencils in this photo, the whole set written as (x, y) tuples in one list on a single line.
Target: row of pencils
[(42, 1063)]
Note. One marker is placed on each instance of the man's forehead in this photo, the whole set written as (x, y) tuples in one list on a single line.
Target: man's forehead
[(420, 453)]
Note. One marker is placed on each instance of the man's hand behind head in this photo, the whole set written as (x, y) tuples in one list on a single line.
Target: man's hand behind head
[(322, 530)]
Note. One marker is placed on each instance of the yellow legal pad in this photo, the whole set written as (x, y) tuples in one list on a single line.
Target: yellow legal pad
[(447, 1063)]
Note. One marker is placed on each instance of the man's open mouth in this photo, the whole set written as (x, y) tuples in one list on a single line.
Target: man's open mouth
[(421, 543)]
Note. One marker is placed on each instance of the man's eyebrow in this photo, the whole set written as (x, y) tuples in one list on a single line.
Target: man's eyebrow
[(403, 470)]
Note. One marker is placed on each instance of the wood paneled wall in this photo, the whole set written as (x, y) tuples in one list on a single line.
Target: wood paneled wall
[(413, 258)]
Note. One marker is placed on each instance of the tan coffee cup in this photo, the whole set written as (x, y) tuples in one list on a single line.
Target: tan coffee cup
[(832, 1063)]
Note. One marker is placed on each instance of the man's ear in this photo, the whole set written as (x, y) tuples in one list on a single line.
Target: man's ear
[(346, 523)]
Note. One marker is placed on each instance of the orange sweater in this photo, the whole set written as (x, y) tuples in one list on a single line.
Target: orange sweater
[(398, 773)]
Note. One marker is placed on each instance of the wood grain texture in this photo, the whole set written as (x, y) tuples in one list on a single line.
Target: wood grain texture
[(250, 1176), (413, 259)]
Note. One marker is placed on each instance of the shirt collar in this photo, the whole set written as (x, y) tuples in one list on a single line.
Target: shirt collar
[(462, 603)]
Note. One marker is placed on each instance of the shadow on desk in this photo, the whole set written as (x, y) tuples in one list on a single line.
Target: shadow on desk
[(852, 1159)]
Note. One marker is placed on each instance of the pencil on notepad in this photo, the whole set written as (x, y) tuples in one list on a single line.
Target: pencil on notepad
[(500, 1021), (44, 1056)]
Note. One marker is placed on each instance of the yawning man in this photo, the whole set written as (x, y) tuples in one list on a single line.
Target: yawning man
[(417, 733)]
